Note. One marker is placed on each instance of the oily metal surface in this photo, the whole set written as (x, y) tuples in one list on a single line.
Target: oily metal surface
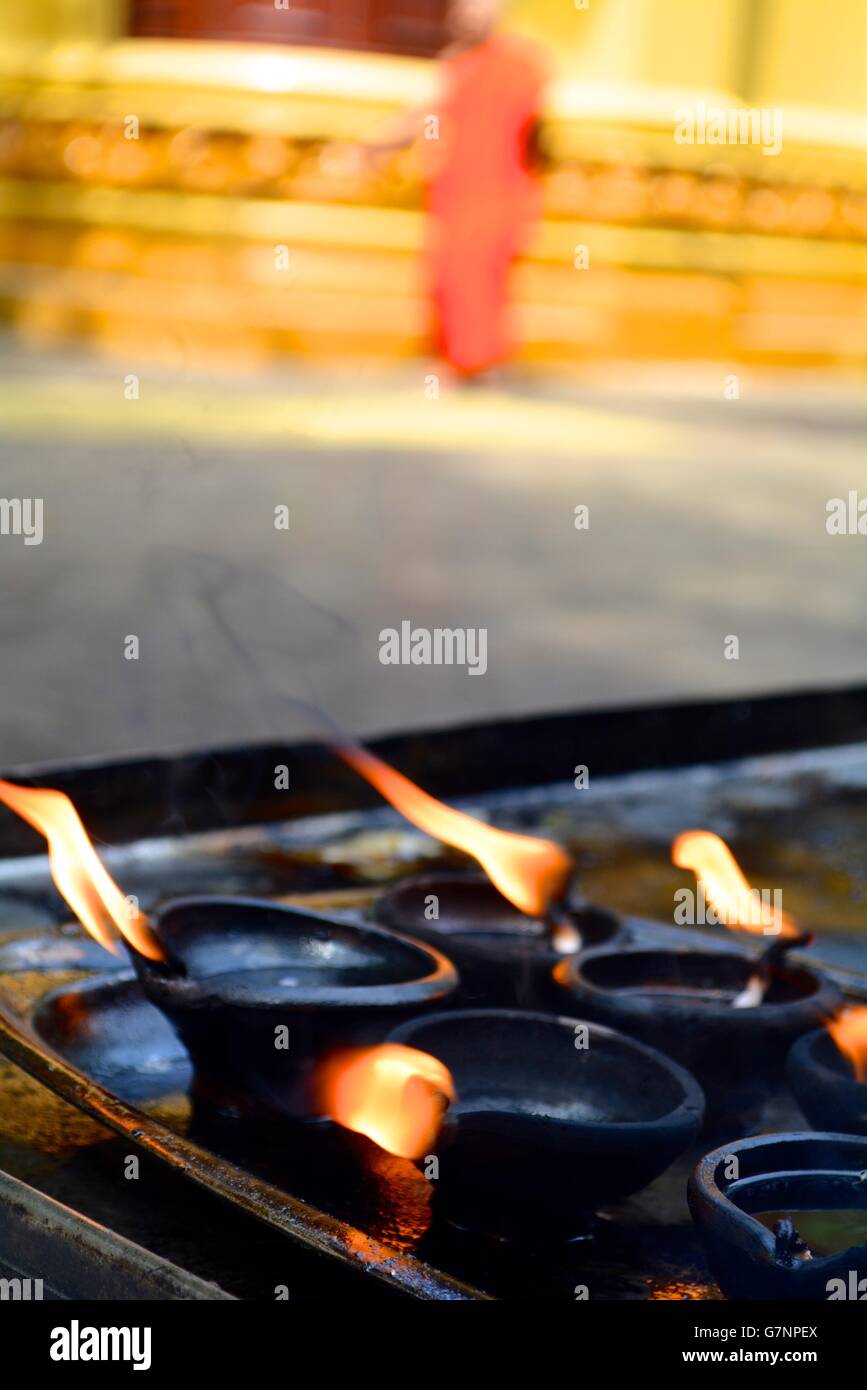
[(793, 820), (391, 1228), (298, 1220), (76, 1258)]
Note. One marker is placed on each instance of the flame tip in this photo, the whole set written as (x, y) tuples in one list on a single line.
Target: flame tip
[(737, 904), (531, 873), (78, 872)]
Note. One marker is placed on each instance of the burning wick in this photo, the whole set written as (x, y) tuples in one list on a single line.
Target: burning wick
[(752, 994), (849, 1031), (397, 1096), (760, 982), (564, 936), (533, 874), (78, 873)]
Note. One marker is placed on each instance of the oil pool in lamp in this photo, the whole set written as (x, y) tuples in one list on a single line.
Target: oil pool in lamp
[(782, 1216), (504, 930), (729, 1016), (231, 973)]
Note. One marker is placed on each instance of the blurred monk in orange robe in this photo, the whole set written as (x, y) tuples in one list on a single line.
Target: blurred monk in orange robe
[(483, 189)]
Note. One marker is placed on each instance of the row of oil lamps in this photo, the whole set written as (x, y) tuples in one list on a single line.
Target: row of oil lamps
[(624, 1048)]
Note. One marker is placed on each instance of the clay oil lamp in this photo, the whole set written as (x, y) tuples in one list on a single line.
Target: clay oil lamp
[(503, 955), (784, 1216), (827, 1072), (258, 993), (549, 1118), (505, 929), (729, 1017)]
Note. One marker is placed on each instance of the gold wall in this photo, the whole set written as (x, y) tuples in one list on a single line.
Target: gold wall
[(695, 251)]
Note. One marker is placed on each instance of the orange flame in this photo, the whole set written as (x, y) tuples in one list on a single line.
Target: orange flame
[(734, 902), (395, 1095), (531, 873), (77, 871), (849, 1031)]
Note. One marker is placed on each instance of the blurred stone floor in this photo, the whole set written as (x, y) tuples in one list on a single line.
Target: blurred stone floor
[(707, 520)]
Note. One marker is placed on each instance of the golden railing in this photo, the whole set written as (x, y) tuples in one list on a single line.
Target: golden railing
[(201, 197)]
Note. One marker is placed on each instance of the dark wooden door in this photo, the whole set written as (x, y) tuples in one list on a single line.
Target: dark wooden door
[(388, 26)]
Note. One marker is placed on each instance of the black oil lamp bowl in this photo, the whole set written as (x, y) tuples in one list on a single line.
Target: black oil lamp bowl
[(503, 956), (259, 993), (683, 1001), (553, 1119), (784, 1216), (824, 1084)]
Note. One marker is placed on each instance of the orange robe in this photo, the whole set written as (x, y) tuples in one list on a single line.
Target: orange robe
[(482, 195)]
